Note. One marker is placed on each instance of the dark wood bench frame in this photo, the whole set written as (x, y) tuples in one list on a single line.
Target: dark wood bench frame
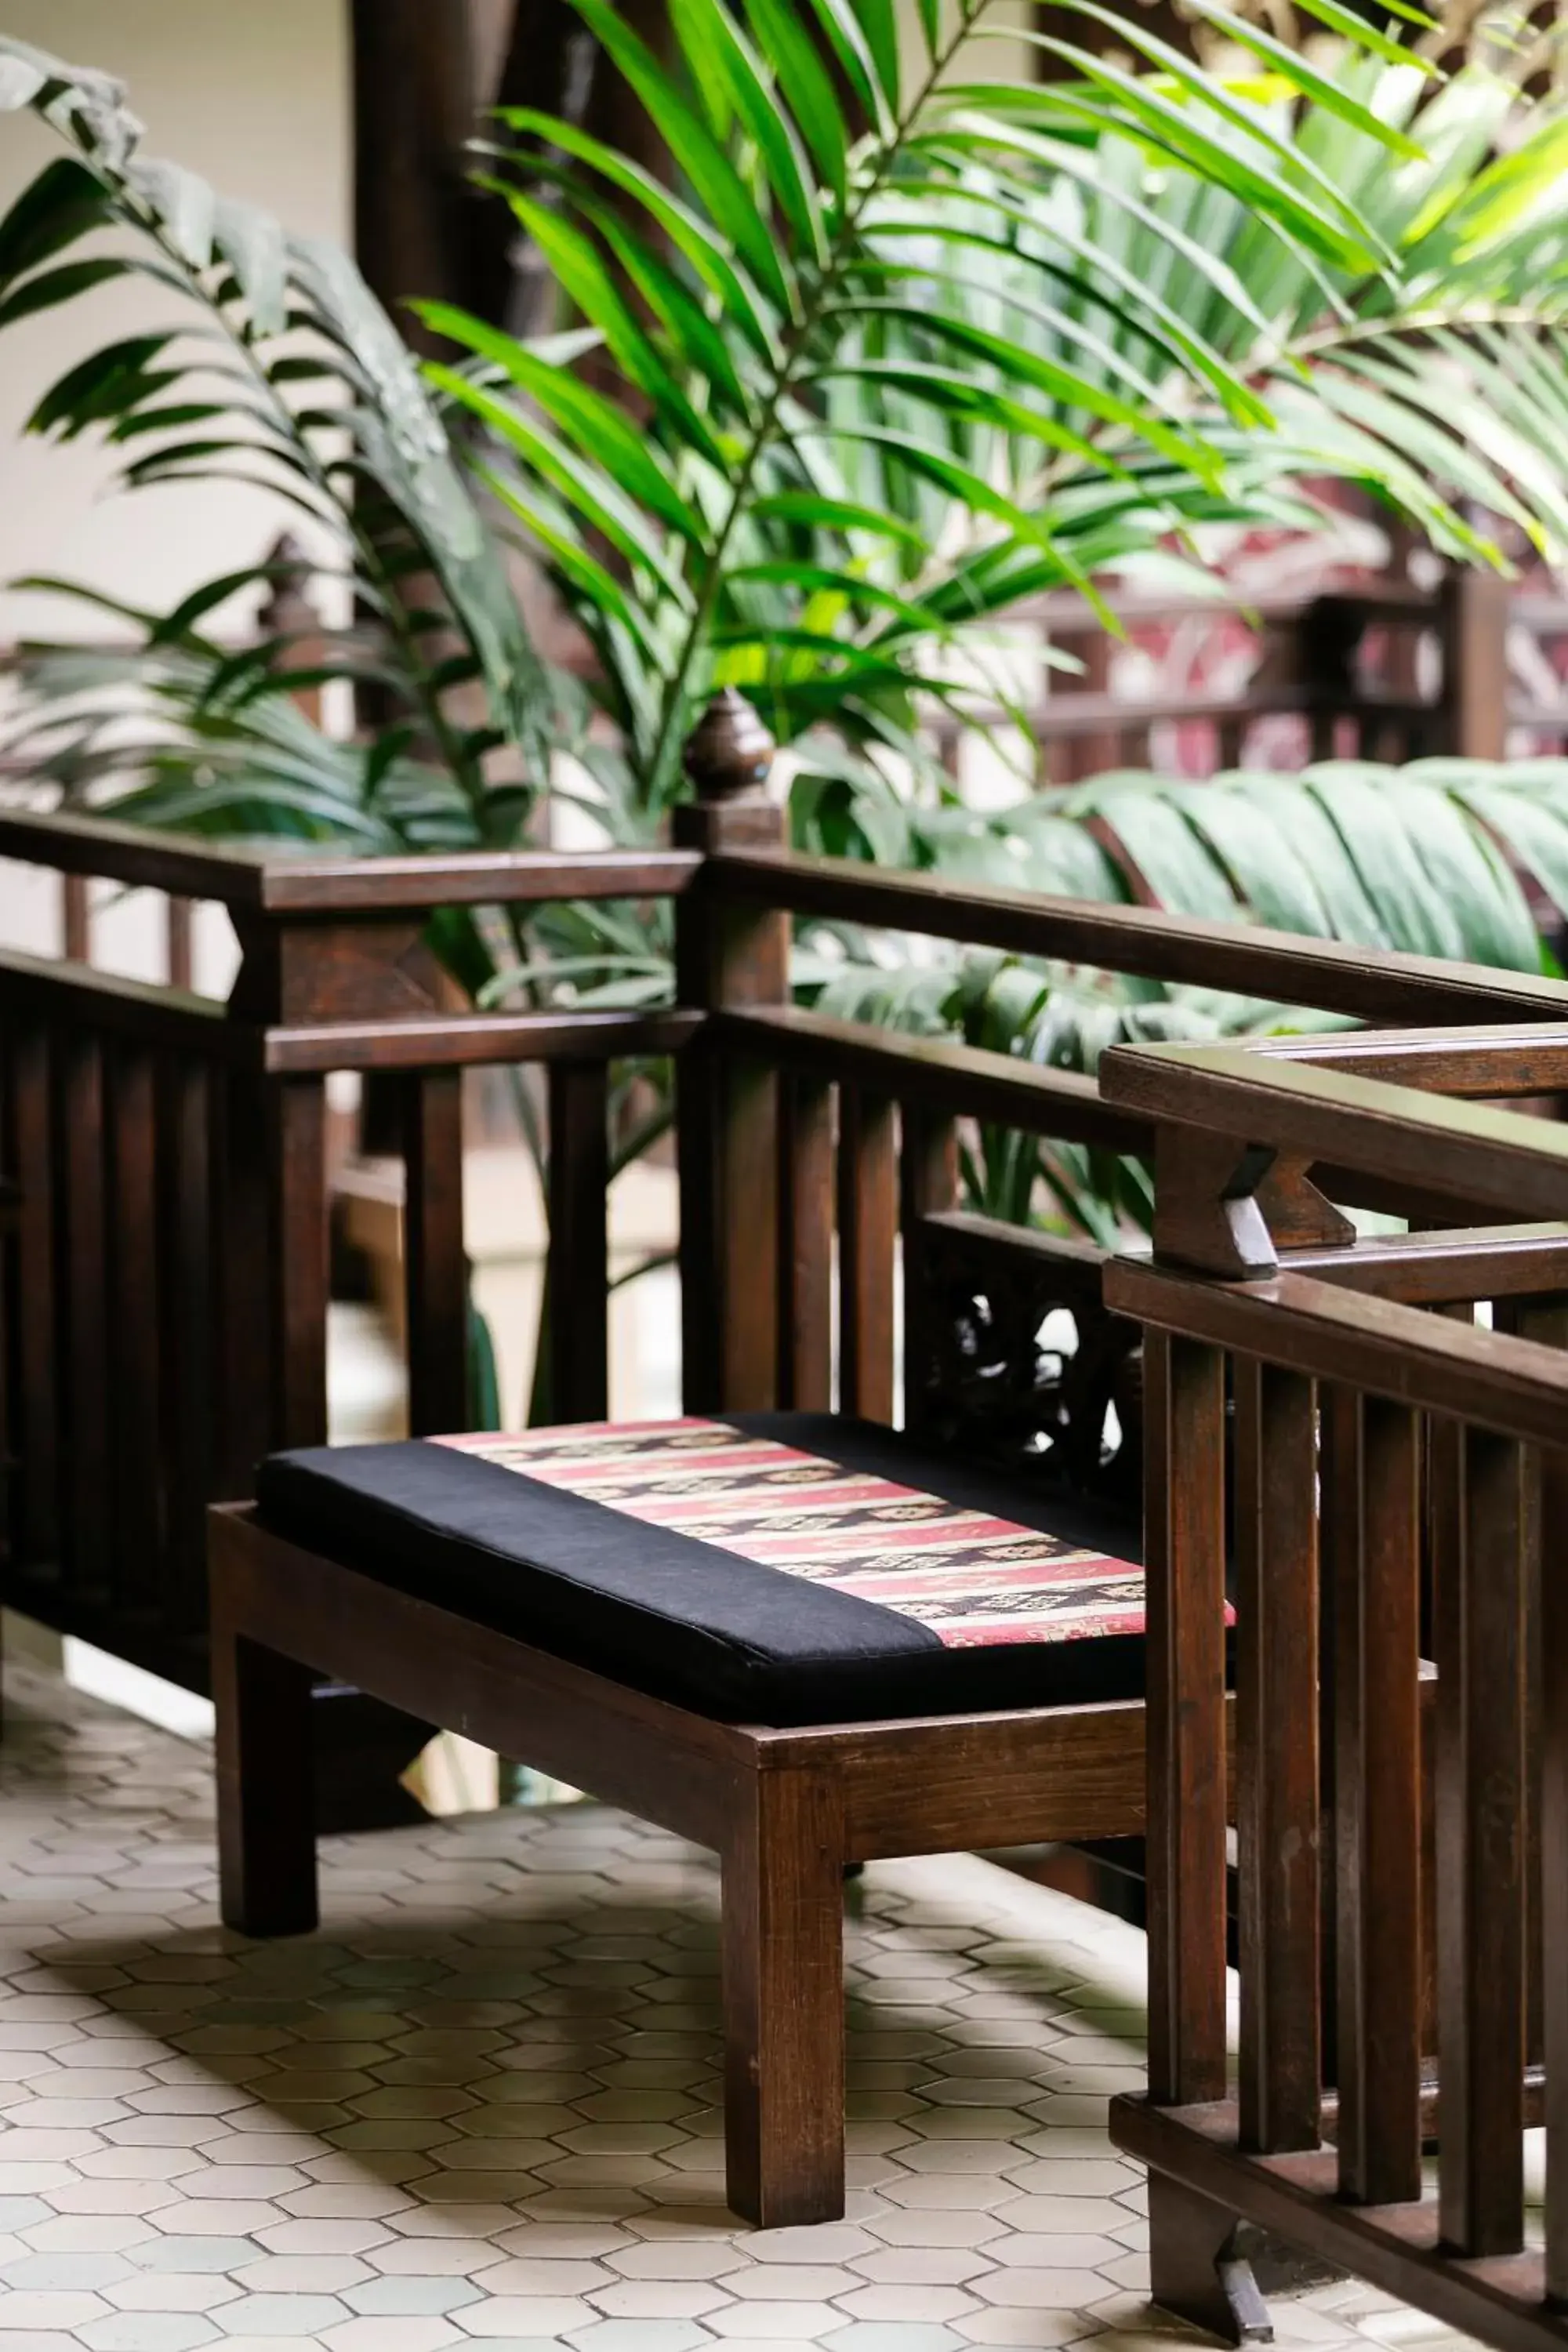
[(785, 1810)]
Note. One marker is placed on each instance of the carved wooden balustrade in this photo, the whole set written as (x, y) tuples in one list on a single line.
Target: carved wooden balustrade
[(166, 1280), (835, 1127), (1400, 1483), (1378, 671), (165, 1289)]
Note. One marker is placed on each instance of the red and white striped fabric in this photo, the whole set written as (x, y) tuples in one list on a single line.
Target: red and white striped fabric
[(973, 1578)]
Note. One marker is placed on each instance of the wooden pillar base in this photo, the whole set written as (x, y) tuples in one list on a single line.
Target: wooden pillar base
[(1196, 2271)]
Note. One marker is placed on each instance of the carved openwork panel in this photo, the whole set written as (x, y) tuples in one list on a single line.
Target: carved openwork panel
[(1021, 1364)]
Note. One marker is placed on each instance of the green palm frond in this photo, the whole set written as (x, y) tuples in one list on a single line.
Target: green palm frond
[(893, 349), (1440, 858), (889, 380)]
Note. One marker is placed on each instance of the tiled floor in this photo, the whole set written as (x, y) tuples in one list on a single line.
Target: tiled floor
[(479, 2104)]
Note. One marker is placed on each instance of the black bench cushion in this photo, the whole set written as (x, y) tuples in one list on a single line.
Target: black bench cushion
[(770, 1568)]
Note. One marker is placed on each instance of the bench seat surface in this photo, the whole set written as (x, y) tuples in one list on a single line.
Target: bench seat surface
[(767, 1568)]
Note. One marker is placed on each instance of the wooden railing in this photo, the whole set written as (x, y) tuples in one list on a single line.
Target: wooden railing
[(165, 1286), (1407, 1466), (833, 1130), (1377, 670)]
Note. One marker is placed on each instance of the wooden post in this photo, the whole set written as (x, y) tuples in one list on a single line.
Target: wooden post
[(729, 1111), (1200, 1207), (782, 1977), (271, 1248), (1474, 623), (290, 614)]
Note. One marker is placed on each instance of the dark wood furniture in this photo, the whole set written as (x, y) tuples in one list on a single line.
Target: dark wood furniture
[(786, 1809), (1407, 1459), (769, 1165), (166, 1290)]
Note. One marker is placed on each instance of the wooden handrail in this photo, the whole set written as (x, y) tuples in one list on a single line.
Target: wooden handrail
[(465, 1040), (1380, 1346), (1424, 1269), (1328, 975), (1390, 600), (1498, 1060), (131, 853), (509, 877), (278, 883), (934, 1073), (47, 988), (1496, 1160), (1074, 713)]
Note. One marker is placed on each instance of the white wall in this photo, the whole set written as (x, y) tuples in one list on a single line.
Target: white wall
[(256, 97)]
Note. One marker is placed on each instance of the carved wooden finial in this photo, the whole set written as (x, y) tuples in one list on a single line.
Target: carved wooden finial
[(729, 753)]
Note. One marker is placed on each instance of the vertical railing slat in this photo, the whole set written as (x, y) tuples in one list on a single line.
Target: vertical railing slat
[(189, 1353), (1277, 1756), (578, 1277), (433, 1272), (85, 1461), (244, 1242), (179, 942), (1479, 1626), (1545, 1320), (35, 1530), (133, 1330), (301, 1267), (867, 1238), (805, 1245), (1547, 1953), (76, 918), (1377, 1792), (928, 1184), (1185, 1565)]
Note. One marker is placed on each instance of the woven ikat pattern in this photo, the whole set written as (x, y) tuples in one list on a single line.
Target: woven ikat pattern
[(973, 1578)]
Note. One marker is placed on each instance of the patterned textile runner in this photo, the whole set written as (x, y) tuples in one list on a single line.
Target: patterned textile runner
[(973, 1578)]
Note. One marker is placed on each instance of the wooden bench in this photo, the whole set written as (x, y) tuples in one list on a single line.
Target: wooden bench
[(683, 1619), (1399, 1483), (789, 1125)]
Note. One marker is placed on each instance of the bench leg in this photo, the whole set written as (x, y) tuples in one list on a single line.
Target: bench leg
[(266, 1788), (784, 2002)]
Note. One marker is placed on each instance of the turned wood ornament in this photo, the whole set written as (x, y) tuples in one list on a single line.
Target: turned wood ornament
[(729, 753)]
